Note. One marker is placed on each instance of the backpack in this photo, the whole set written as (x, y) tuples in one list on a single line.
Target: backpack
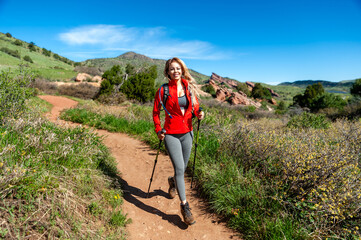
[(166, 95)]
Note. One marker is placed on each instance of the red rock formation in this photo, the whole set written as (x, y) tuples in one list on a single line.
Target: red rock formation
[(218, 79)]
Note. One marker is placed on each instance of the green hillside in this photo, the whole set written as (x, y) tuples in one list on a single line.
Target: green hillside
[(336, 87), (139, 61), (52, 67)]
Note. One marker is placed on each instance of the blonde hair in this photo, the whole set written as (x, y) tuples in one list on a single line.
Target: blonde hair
[(185, 73)]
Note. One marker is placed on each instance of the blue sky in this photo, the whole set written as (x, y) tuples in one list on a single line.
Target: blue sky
[(248, 40)]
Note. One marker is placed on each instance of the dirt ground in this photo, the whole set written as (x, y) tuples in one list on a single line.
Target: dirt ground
[(156, 217)]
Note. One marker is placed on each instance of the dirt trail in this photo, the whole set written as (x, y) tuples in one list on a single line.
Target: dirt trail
[(157, 217)]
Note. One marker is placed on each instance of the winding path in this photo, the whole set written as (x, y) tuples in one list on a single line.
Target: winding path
[(157, 217)]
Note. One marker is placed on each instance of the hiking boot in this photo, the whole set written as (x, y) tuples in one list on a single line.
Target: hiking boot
[(172, 191), (187, 215)]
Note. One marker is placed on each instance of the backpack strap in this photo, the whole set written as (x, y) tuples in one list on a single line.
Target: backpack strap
[(165, 97), (190, 93)]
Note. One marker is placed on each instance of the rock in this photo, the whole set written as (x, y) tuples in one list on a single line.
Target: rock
[(242, 99), (81, 77), (273, 101), (220, 80), (222, 94), (274, 94), (97, 79)]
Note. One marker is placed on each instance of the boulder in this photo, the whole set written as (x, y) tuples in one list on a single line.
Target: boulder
[(81, 77)]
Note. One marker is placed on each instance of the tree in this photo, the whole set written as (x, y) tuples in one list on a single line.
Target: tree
[(327, 100), (356, 88), (261, 92), (31, 47), (112, 78), (140, 86), (310, 94), (8, 35)]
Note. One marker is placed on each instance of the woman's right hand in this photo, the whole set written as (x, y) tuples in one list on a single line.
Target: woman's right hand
[(161, 135)]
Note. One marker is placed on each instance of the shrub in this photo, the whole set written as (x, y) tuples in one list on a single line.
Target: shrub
[(28, 59), (81, 90), (243, 88), (327, 100), (209, 89), (46, 52), (14, 53), (17, 42), (13, 93), (8, 35), (356, 88), (310, 94), (32, 47), (309, 120), (260, 92), (45, 86), (113, 98), (112, 78), (140, 86)]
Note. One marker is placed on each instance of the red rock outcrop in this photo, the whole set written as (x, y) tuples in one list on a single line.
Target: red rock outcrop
[(218, 79)]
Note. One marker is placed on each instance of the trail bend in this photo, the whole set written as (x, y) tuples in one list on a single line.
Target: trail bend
[(157, 217)]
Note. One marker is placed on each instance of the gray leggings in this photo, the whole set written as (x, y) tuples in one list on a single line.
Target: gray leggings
[(179, 148)]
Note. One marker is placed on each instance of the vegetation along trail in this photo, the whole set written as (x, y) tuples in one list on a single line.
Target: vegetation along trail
[(156, 217)]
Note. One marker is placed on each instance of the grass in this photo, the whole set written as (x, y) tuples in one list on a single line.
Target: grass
[(56, 183), (268, 180), (46, 67)]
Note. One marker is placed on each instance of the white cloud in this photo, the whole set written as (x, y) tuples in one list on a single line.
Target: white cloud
[(153, 42)]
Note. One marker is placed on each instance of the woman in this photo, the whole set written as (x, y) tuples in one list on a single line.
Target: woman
[(180, 106)]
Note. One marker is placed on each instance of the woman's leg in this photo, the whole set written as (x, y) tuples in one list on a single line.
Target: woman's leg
[(179, 148)]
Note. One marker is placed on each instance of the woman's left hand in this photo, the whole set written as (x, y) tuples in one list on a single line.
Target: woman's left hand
[(200, 115)]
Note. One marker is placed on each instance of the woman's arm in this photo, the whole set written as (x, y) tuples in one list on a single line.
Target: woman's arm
[(156, 112)]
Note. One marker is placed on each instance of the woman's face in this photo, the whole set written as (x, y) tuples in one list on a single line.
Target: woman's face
[(175, 71)]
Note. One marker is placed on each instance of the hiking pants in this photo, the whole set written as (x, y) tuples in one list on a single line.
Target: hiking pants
[(179, 148)]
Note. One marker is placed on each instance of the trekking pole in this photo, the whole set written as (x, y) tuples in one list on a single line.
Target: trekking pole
[(155, 162), (195, 149)]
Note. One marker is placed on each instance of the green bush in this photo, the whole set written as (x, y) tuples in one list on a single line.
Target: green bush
[(260, 92), (8, 35), (14, 53), (14, 91), (310, 94), (28, 59), (32, 47), (243, 88), (138, 86), (309, 120), (46, 52), (17, 42), (356, 88), (209, 89), (327, 100)]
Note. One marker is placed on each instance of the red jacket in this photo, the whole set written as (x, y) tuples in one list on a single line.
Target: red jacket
[(179, 123)]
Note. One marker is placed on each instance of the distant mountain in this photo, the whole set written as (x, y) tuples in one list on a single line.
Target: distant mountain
[(139, 61), (305, 83)]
